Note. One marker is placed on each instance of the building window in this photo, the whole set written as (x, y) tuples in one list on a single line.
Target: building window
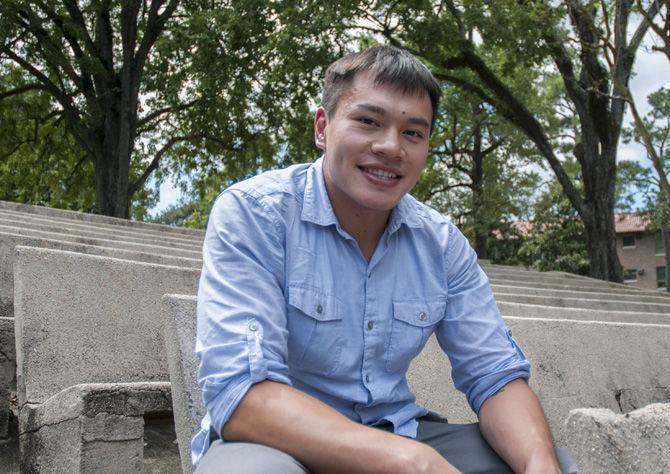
[(660, 245), (630, 275), (629, 241), (660, 277)]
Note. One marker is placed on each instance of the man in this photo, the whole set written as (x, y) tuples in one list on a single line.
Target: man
[(321, 282)]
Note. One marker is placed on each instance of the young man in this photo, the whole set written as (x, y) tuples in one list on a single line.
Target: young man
[(321, 283)]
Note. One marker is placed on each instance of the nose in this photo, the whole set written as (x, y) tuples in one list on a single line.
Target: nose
[(387, 143)]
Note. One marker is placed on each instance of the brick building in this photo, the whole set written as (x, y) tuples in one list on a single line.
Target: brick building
[(641, 251)]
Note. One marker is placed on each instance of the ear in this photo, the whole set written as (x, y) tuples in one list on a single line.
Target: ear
[(320, 123)]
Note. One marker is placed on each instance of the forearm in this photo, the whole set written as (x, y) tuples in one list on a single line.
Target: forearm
[(282, 417), (513, 423)]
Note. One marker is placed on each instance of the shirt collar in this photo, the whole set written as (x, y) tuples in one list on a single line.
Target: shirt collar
[(316, 206)]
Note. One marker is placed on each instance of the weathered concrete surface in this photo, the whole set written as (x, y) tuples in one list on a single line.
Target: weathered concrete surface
[(112, 221), (180, 334), (90, 428), (572, 286), (28, 219), (8, 222), (605, 442), (578, 302), (610, 295), (83, 319), (551, 312), (9, 241), (575, 364), (119, 244)]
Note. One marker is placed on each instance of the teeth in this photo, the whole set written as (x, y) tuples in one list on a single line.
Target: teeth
[(380, 173)]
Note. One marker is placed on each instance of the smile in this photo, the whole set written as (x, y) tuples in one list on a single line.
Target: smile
[(378, 173)]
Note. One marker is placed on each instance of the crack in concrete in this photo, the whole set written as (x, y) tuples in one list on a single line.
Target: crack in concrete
[(48, 425)]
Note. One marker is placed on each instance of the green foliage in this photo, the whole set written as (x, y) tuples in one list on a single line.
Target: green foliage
[(40, 162), (557, 239)]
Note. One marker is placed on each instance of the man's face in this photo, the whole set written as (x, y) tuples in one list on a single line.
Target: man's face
[(375, 145)]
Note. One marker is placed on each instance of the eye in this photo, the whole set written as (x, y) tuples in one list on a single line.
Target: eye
[(414, 133), (366, 120)]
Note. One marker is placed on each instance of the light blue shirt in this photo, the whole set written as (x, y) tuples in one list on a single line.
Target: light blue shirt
[(286, 295)]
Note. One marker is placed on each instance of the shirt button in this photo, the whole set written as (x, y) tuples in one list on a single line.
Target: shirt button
[(253, 327), (319, 309), (423, 316), (370, 325), (367, 378)]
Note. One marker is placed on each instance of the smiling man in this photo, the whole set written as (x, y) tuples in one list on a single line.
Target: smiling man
[(321, 282)]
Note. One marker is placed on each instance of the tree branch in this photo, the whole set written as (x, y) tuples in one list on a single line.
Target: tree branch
[(21, 89)]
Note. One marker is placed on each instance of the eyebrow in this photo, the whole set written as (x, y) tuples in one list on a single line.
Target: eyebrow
[(375, 109)]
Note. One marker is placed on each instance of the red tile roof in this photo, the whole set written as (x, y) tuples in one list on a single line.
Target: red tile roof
[(624, 223), (631, 222)]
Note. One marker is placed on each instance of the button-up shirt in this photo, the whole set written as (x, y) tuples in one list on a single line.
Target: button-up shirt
[(287, 295)]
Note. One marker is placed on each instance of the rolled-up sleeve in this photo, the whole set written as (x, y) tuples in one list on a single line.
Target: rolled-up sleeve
[(483, 354), (241, 335)]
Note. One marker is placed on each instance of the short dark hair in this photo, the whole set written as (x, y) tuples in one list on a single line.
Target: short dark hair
[(388, 65)]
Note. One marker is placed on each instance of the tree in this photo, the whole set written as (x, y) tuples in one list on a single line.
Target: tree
[(192, 82), (587, 43), (476, 172)]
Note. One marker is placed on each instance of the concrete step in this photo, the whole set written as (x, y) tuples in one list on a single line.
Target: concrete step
[(577, 302), (88, 232), (522, 310), (120, 244), (536, 280), (9, 241), (114, 221), (612, 295), (14, 216), (629, 290)]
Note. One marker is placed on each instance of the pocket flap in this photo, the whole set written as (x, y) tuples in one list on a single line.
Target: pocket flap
[(420, 313), (314, 302)]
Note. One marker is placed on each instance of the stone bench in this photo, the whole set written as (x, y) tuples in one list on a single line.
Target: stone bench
[(90, 356), (575, 364)]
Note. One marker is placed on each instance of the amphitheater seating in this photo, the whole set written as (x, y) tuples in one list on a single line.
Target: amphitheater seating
[(94, 284)]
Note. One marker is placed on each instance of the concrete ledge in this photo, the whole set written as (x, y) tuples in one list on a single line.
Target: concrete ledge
[(47, 211), (7, 372), (605, 442), (572, 286), (83, 231), (119, 244), (24, 219), (523, 310), (180, 333), (90, 428), (575, 364), (578, 302), (610, 295)]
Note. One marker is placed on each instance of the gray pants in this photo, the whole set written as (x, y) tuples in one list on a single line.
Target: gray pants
[(462, 445)]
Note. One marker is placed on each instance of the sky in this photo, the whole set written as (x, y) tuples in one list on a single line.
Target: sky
[(651, 72)]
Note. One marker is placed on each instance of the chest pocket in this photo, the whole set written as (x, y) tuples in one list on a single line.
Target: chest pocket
[(413, 323), (315, 338)]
